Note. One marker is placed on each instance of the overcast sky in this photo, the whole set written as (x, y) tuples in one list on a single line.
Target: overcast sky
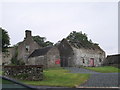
[(53, 20)]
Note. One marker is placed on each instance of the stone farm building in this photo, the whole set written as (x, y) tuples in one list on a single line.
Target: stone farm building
[(72, 56), (63, 54), (48, 57), (26, 47), (21, 51), (29, 52)]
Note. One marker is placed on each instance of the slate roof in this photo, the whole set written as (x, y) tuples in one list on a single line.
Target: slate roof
[(39, 52)]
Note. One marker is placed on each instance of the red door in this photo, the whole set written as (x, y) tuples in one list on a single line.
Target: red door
[(91, 62)]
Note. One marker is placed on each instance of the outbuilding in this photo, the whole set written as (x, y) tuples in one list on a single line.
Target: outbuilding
[(48, 57), (74, 56)]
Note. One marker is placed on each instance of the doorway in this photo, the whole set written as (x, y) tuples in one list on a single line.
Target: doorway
[(92, 62)]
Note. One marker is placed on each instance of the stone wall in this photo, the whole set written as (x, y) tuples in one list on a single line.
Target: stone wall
[(7, 56), (76, 57), (66, 54), (39, 60), (50, 59), (53, 57), (86, 54), (26, 72), (26, 47)]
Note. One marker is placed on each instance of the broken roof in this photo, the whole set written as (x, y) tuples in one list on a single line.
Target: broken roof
[(81, 45), (39, 52)]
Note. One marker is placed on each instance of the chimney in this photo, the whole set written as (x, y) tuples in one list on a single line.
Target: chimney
[(28, 33)]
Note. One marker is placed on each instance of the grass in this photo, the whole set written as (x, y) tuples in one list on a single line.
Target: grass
[(60, 77), (104, 69), (1, 73), (5, 81)]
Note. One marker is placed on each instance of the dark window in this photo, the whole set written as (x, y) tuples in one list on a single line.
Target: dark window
[(100, 60), (83, 60), (27, 48)]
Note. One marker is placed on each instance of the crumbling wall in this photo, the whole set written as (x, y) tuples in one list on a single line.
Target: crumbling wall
[(82, 57), (7, 56), (23, 53), (66, 54), (53, 57)]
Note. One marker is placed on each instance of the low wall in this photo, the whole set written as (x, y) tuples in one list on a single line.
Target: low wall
[(26, 72)]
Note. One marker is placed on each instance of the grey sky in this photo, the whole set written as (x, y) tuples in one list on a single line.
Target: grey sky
[(99, 20)]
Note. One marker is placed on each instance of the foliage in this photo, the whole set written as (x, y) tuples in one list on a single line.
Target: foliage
[(21, 76), (42, 41), (104, 69), (5, 39), (14, 60), (60, 77), (79, 39), (0, 40)]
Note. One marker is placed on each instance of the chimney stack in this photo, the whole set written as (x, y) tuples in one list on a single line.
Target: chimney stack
[(28, 33)]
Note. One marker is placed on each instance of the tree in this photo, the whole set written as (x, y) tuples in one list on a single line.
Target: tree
[(48, 43), (0, 40), (5, 40), (42, 41), (80, 39)]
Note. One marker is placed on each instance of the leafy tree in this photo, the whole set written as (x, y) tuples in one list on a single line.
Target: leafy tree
[(48, 43), (0, 40), (5, 39), (80, 39), (42, 41)]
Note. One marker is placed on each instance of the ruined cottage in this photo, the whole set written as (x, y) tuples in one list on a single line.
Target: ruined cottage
[(21, 51), (26, 47), (48, 57), (64, 54), (72, 56)]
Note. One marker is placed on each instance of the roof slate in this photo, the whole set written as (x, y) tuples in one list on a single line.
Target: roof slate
[(39, 52)]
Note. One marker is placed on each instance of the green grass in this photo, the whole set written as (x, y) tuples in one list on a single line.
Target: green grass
[(104, 69), (60, 77), (1, 73), (5, 81)]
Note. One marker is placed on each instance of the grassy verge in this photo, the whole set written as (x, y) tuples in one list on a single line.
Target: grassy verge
[(60, 77), (104, 69)]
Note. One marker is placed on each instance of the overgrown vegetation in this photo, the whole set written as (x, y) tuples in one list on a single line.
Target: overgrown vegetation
[(14, 60), (5, 39), (60, 77), (42, 41), (104, 69), (79, 39)]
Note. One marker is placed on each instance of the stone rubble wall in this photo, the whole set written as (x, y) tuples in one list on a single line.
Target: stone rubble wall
[(26, 72), (80, 54)]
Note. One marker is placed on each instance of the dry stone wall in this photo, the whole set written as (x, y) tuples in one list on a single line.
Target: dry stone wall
[(26, 72)]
